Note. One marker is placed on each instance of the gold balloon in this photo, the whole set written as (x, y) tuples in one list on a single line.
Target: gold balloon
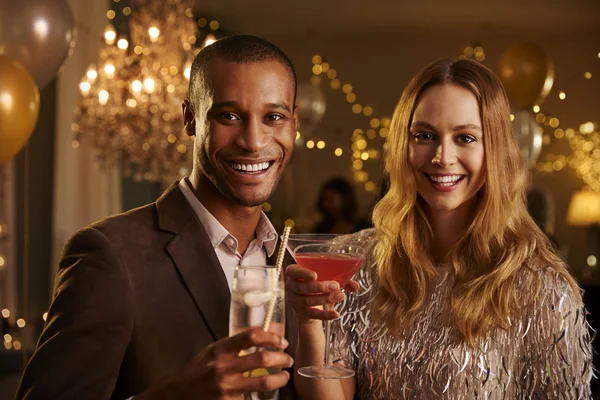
[(527, 74), (19, 107)]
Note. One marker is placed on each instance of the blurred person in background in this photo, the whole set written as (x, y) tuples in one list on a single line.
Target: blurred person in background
[(339, 208)]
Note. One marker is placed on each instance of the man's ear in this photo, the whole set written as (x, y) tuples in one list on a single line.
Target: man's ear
[(189, 119)]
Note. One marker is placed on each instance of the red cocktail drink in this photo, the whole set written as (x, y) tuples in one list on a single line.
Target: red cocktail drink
[(331, 266)]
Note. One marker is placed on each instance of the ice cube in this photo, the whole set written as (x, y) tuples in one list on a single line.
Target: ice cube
[(257, 298)]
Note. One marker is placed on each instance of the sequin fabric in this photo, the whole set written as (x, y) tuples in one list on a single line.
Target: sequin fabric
[(546, 354)]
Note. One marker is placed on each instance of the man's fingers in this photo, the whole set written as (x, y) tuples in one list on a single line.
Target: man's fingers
[(267, 383), (236, 384), (255, 337), (257, 360)]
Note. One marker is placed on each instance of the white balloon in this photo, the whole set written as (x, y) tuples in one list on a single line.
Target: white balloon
[(311, 107), (529, 135)]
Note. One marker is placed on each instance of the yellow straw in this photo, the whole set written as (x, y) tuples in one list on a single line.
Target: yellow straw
[(279, 268)]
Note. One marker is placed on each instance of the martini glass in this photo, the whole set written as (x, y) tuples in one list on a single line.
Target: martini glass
[(336, 262)]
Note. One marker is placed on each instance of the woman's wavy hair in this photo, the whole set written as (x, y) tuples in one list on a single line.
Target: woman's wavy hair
[(500, 240)]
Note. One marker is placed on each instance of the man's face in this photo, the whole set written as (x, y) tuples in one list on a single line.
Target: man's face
[(246, 131)]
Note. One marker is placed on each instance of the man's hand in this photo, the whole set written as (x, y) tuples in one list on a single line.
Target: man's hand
[(217, 372)]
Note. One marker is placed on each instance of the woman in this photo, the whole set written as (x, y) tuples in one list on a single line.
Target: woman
[(463, 296), (338, 207)]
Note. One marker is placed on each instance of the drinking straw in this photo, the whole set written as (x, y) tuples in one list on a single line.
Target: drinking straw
[(279, 268)]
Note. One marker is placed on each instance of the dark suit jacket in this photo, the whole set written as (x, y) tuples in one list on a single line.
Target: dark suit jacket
[(136, 297)]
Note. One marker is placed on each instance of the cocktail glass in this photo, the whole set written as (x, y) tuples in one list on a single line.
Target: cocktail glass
[(331, 261)]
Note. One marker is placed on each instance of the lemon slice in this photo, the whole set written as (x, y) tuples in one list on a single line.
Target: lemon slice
[(257, 372)]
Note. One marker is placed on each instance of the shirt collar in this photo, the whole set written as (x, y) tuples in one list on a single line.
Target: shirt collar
[(265, 232)]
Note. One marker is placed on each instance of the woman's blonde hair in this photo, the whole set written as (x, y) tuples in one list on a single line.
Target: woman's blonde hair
[(500, 240)]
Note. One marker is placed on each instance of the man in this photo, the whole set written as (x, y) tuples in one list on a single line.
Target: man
[(141, 302)]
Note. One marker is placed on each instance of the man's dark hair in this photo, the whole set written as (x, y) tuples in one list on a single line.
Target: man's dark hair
[(240, 49)]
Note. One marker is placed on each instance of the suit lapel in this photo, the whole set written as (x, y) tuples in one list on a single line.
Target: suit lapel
[(195, 259)]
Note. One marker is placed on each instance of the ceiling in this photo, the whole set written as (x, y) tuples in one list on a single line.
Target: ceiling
[(342, 17)]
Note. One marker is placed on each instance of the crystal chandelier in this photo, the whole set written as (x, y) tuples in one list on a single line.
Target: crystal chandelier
[(130, 105)]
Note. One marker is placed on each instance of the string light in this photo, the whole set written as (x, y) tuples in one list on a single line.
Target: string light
[(584, 143), (322, 69), (475, 52), (11, 338)]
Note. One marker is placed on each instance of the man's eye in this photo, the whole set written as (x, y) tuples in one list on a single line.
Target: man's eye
[(228, 116), (274, 117)]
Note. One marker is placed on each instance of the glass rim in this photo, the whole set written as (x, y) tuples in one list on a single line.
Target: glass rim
[(362, 248), (256, 266), (326, 237)]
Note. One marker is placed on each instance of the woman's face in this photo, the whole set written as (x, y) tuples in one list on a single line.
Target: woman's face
[(446, 147)]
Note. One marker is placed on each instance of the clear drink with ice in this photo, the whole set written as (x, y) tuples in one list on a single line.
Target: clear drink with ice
[(257, 290)]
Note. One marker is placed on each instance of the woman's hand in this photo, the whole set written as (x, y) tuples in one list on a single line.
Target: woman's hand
[(308, 296)]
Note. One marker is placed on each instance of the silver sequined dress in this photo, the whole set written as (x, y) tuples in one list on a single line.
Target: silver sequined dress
[(546, 354)]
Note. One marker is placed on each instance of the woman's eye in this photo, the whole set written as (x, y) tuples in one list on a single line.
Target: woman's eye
[(466, 139), (424, 136)]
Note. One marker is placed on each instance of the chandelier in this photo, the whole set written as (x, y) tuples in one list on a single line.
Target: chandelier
[(130, 104)]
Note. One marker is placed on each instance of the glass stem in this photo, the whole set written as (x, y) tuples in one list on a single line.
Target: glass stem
[(327, 323)]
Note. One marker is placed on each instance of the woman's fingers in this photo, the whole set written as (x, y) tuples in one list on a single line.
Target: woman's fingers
[(303, 301), (303, 287), (307, 295), (315, 312), (295, 271), (352, 286)]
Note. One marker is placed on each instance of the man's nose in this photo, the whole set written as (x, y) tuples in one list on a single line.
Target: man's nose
[(253, 136)]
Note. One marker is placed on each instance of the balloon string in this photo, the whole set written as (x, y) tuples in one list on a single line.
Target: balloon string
[(3, 216), (26, 217)]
